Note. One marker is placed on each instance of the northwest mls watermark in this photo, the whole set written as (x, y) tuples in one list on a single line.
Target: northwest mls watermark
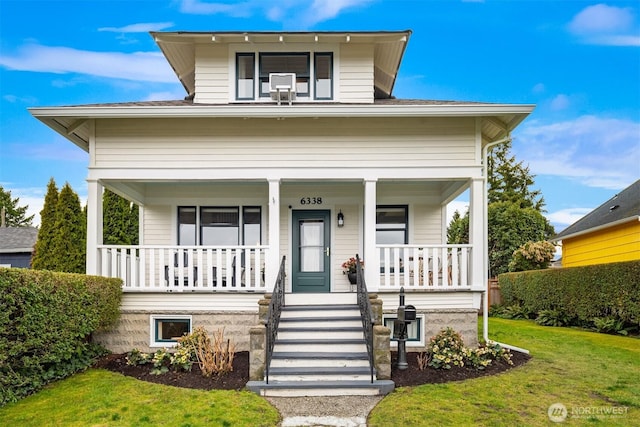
[(559, 412)]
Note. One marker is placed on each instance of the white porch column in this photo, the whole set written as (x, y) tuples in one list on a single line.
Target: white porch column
[(94, 226), (477, 237), (371, 257), (272, 258)]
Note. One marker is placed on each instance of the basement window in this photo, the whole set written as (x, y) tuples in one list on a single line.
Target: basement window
[(414, 330), (165, 330)]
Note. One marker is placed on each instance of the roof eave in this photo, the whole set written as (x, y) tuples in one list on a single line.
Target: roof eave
[(560, 236)]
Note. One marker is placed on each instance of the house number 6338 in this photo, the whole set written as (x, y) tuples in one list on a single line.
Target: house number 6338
[(311, 201)]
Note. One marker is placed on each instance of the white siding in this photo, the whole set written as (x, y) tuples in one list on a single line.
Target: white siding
[(300, 143), (158, 226), (356, 73), (212, 74)]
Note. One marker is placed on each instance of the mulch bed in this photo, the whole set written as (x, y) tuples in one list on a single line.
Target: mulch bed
[(237, 379)]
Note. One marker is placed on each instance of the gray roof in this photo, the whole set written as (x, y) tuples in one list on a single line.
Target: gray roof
[(624, 206), (17, 239)]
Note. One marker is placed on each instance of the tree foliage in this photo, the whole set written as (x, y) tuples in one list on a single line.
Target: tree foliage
[(514, 210), (15, 215), (120, 226), (41, 259), (509, 227), (510, 181), (68, 247), (532, 256)]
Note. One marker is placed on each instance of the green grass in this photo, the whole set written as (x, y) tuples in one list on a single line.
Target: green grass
[(102, 398), (584, 371)]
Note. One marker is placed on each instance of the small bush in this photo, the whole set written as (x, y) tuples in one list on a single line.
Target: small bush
[(135, 357), (446, 349), (161, 361), (552, 318)]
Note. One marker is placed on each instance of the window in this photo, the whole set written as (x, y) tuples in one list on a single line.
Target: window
[(297, 63), (323, 71), (187, 225), (219, 226), (392, 225), (245, 85), (165, 330), (413, 329)]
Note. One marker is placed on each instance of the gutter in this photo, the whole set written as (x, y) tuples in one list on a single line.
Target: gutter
[(485, 237)]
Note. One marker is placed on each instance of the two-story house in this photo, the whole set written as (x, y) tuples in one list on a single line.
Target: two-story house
[(288, 145)]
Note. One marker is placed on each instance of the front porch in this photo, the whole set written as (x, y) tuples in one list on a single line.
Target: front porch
[(162, 268)]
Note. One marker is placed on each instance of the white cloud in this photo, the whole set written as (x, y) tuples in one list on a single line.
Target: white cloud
[(598, 152), (290, 12), (539, 88), (457, 205), (606, 25), (139, 28), (567, 217), (560, 102), (139, 66)]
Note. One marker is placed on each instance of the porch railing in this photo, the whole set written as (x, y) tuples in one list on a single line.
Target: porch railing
[(184, 268), (365, 312), (273, 317), (425, 267)]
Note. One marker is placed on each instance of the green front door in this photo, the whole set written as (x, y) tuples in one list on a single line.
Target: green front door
[(311, 251)]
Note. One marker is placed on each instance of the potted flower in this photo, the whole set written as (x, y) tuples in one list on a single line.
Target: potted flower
[(349, 268)]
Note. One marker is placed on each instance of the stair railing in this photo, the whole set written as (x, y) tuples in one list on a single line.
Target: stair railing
[(273, 316), (366, 313)]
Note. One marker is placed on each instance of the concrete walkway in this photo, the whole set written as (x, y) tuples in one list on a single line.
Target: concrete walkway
[(325, 411)]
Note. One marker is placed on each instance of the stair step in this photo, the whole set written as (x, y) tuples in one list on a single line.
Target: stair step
[(319, 363), (293, 333), (353, 355), (320, 299), (320, 373), (301, 319), (321, 388)]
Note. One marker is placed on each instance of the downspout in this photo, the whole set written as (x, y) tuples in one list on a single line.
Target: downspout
[(485, 238)]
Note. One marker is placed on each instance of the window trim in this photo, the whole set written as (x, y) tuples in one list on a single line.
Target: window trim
[(315, 75), (406, 220), (198, 225), (411, 342), (237, 75), (154, 319), (307, 54)]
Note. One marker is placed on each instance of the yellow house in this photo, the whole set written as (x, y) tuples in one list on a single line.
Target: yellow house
[(610, 233)]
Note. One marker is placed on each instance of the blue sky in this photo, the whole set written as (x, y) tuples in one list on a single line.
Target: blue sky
[(578, 61)]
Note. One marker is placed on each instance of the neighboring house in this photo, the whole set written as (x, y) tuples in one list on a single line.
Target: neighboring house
[(16, 246), (288, 144), (609, 233)]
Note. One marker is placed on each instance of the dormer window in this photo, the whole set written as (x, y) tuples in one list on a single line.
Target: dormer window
[(313, 74)]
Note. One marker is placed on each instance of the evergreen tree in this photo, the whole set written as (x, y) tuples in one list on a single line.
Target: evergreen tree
[(515, 211), (68, 248), (509, 181), (42, 259), (14, 215), (120, 220)]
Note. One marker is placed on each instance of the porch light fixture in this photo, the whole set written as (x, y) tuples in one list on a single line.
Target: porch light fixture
[(340, 219)]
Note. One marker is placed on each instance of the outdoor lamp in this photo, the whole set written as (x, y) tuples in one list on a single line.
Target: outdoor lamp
[(340, 219)]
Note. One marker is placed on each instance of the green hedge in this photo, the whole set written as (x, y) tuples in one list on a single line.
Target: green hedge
[(46, 320), (580, 293)]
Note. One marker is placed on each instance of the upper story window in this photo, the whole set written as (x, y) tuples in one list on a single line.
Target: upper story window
[(314, 73)]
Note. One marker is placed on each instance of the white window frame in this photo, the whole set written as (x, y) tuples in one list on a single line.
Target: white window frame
[(152, 329), (311, 49), (409, 343)]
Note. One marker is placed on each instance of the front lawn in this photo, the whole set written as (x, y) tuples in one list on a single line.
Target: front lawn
[(102, 398), (587, 372)]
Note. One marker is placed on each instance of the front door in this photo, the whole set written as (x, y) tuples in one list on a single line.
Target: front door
[(311, 251)]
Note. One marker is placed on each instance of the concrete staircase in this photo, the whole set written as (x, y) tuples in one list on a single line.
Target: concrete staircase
[(320, 350)]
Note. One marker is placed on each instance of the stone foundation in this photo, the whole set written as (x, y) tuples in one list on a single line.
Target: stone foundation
[(134, 329)]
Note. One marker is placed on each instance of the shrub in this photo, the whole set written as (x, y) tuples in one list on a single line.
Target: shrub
[(446, 349), (579, 293), (161, 360), (553, 318), (46, 321), (135, 357)]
